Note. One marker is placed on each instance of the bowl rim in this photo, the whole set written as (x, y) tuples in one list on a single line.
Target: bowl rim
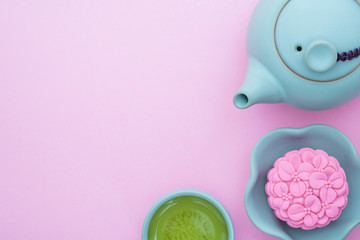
[(295, 131), (188, 192)]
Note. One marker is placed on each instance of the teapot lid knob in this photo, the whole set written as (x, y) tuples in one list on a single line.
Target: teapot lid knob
[(321, 56)]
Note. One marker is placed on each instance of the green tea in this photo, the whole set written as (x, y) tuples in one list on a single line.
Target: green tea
[(188, 218)]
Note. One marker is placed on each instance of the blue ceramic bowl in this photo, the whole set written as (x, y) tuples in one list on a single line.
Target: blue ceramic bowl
[(274, 145), (188, 192)]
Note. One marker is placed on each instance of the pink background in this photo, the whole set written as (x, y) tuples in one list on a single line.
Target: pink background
[(107, 105)]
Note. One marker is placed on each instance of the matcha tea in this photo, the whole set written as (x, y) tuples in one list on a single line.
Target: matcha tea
[(188, 218)]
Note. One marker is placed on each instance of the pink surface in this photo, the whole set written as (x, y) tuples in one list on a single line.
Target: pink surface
[(107, 105), (307, 188)]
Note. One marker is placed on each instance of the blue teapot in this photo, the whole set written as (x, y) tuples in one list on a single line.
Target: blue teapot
[(302, 52)]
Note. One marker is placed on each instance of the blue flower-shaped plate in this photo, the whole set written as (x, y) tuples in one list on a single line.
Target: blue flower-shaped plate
[(273, 146)]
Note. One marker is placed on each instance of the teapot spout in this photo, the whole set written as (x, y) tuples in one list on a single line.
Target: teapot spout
[(260, 86)]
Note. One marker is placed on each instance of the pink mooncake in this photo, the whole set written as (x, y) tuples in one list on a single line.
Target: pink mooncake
[(307, 188)]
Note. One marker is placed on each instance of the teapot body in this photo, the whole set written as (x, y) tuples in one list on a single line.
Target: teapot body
[(305, 53)]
